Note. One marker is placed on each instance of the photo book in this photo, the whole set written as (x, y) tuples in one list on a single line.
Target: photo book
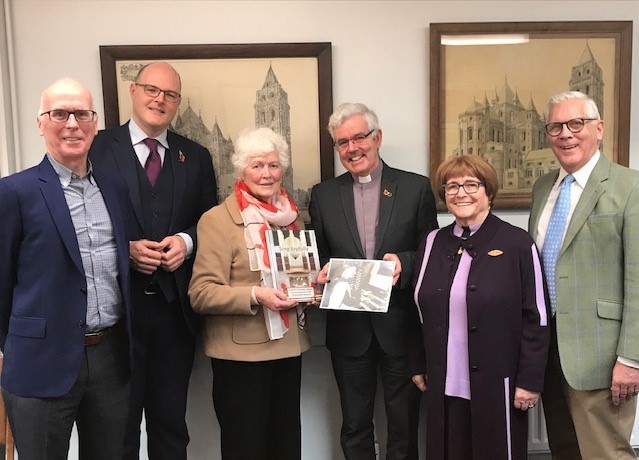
[(358, 285), (294, 263)]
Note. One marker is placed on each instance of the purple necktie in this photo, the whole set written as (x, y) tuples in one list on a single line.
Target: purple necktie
[(153, 163)]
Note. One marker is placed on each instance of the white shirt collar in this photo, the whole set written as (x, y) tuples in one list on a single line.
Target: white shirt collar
[(582, 175), (138, 135)]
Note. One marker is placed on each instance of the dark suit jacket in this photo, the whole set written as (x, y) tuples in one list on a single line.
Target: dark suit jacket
[(194, 193), (43, 289), (406, 214)]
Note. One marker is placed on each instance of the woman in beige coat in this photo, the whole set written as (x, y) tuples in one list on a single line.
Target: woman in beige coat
[(256, 371)]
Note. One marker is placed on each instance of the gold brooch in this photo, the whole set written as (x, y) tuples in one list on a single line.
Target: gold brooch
[(495, 253)]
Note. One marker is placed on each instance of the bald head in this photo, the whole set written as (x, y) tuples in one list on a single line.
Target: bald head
[(160, 67), (152, 111), (64, 86), (68, 141)]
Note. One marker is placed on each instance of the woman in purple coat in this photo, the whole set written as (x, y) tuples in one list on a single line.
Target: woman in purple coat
[(481, 300)]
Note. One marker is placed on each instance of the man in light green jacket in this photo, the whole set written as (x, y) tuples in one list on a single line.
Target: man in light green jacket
[(592, 377)]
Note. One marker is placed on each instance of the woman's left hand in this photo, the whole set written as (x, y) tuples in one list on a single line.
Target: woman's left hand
[(525, 399), (273, 299)]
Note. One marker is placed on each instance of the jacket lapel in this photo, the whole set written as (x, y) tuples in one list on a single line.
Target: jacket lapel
[(178, 161), (386, 202), (593, 190), (54, 197), (127, 160), (348, 204)]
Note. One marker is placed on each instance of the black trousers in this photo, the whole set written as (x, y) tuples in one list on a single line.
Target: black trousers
[(258, 407), (163, 353), (97, 402), (357, 382)]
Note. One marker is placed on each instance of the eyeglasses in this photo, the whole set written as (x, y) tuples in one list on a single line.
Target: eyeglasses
[(574, 126), (358, 139), (452, 188), (60, 115), (154, 91)]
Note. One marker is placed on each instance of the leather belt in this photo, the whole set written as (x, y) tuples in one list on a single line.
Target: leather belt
[(97, 337)]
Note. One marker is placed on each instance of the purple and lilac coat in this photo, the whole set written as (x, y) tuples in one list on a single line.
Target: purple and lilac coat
[(484, 332)]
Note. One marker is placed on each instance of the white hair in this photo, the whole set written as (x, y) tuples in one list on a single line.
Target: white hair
[(348, 110), (257, 142), (591, 107)]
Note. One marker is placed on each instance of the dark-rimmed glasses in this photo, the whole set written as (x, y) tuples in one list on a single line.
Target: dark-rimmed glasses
[(61, 115), (342, 144), (574, 126), (452, 188), (154, 91)]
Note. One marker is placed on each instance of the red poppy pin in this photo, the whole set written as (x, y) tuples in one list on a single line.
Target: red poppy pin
[(181, 157), (387, 193)]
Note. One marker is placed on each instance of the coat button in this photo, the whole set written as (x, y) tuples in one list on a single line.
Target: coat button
[(470, 247), (474, 368), (81, 324), (473, 329), (472, 287)]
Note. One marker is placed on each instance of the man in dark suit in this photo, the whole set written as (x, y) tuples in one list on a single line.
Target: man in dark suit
[(64, 290), (171, 184), (372, 212)]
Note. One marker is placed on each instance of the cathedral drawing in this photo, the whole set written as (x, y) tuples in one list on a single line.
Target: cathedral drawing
[(272, 110), (510, 134)]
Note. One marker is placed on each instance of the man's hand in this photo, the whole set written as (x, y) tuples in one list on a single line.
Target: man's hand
[(145, 256), (525, 399), (322, 276), (398, 266), (173, 252), (420, 381), (625, 383), (273, 299)]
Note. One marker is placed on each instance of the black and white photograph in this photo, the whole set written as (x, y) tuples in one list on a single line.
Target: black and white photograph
[(358, 285)]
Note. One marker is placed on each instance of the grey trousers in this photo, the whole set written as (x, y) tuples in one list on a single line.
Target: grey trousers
[(97, 402)]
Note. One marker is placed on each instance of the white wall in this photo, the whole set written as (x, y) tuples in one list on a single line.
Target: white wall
[(380, 57)]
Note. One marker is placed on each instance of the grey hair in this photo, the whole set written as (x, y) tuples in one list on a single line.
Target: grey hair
[(348, 110), (257, 142), (591, 107)]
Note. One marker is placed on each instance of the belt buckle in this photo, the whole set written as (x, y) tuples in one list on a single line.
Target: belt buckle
[(152, 288)]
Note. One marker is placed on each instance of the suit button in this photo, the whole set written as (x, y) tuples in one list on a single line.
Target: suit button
[(474, 368), (81, 324), (155, 214), (83, 291), (472, 287), (153, 195), (473, 329), (470, 247)]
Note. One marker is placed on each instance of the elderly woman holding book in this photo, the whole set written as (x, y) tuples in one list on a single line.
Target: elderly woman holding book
[(252, 333)]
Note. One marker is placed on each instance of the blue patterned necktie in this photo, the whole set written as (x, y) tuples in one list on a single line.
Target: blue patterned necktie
[(554, 238)]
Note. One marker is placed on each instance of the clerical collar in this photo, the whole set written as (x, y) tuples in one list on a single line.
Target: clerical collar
[(375, 173)]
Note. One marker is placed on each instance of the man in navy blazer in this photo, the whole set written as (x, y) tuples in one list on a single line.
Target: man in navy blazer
[(167, 201), (372, 212), (64, 290)]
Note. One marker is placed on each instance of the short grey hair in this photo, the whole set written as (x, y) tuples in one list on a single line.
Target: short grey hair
[(351, 109), (591, 106), (258, 142)]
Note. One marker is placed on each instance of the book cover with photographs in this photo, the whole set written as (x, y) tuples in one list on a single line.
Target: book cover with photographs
[(358, 285), (294, 263)]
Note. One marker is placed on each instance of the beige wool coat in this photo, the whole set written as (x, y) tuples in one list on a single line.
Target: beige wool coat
[(220, 290)]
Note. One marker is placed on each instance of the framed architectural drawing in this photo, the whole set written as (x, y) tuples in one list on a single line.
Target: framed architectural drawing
[(490, 83), (226, 88)]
